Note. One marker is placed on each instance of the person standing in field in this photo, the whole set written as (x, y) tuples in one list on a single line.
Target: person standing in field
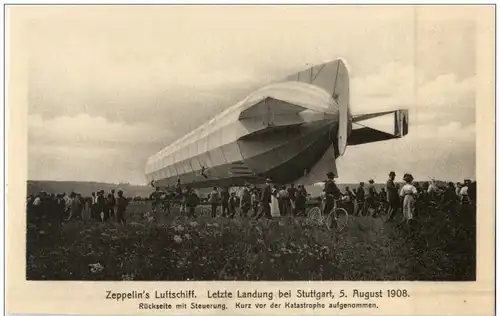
[(449, 198), (113, 205), (275, 202), (192, 201), (93, 206), (409, 194), (156, 197), (101, 204), (121, 206), (37, 208), (265, 201), (282, 201), (332, 193), (109, 205), (472, 191), (458, 187), (225, 201), (245, 201), (464, 193), (232, 203), (213, 199), (301, 199), (60, 205), (370, 195), (349, 199), (360, 198), (178, 188), (255, 202), (433, 191), (392, 196), (292, 192), (75, 207)]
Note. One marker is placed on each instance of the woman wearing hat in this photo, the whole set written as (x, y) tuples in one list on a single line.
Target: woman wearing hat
[(409, 195)]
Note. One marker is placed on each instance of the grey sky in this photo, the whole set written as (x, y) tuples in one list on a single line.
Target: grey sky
[(109, 86)]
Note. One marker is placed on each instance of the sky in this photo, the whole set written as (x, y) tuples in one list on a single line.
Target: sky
[(110, 86)]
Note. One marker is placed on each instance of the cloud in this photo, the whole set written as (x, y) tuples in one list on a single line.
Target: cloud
[(446, 152), (90, 148), (85, 129), (86, 163), (435, 100)]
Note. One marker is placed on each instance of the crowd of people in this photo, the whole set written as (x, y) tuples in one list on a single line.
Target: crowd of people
[(269, 201), (278, 200), (61, 207), (252, 202), (408, 197)]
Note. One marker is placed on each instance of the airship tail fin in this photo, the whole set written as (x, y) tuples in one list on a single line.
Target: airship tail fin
[(333, 77), (375, 127)]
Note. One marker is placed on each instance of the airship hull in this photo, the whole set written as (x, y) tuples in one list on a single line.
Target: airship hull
[(290, 132), (276, 132)]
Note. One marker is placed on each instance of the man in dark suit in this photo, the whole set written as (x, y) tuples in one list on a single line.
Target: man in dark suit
[(392, 196), (360, 198), (332, 193), (224, 195), (265, 201)]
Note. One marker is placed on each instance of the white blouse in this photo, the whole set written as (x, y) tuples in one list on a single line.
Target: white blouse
[(408, 189)]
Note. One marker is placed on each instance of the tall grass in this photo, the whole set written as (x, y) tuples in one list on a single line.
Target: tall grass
[(174, 248)]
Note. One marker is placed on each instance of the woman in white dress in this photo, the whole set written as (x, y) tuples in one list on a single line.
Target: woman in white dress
[(409, 195), (275, 209)]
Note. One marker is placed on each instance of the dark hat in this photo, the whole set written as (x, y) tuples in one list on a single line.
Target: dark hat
[(408, 177), (392, 173), (330, 174), (370, 181)]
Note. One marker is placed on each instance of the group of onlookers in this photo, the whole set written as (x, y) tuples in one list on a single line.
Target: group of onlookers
[(187, 198), (408, 196), (111, 207), (256, 203), (274, 201), (61, 207)]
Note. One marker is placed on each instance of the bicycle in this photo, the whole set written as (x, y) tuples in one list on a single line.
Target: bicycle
[(335, 220)]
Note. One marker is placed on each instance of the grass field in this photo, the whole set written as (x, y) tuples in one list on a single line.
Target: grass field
[(436, 247)]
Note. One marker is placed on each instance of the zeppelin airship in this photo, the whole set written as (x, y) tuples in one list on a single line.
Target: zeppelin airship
[(291, 131)]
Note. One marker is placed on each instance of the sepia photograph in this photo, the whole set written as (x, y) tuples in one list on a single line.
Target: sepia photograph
[(250, 143)]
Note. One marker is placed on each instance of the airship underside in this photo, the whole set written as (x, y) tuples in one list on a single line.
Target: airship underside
[(290, 132)]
